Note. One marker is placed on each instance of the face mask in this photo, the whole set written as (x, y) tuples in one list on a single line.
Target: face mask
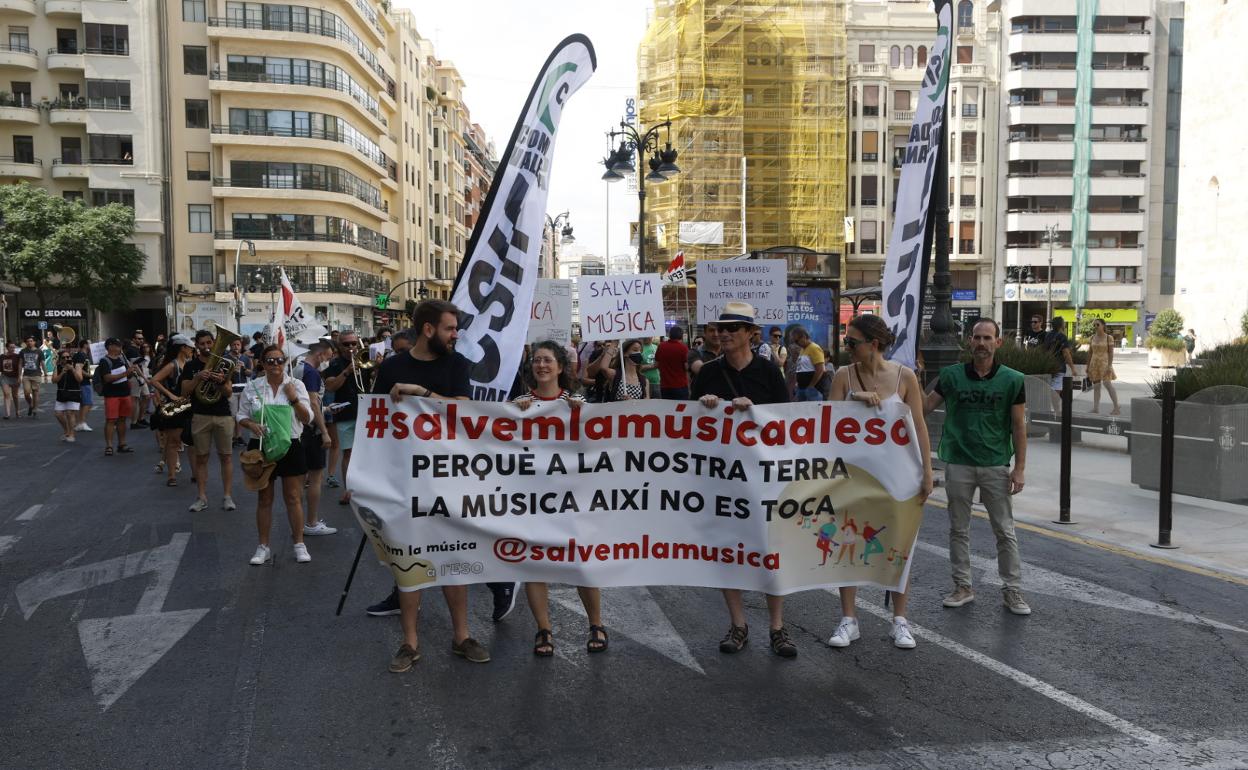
[(634, 357)]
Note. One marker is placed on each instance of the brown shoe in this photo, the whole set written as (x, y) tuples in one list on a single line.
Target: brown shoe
[(961, 595), (403, 659), (735, 640), (471, 650)]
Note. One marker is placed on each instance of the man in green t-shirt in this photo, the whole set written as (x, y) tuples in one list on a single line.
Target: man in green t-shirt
[(985, 425)]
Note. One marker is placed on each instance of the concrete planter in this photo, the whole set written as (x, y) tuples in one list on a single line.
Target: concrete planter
[(1210, 458), (1163, 358)]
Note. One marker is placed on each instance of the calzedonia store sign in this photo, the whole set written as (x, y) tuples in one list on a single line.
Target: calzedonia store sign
[(53, 313)]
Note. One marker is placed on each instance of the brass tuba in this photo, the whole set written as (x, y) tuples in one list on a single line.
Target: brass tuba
[(211, 392), (364, 370)]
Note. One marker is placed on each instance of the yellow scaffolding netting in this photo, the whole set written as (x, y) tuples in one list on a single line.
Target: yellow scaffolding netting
[(760, 80)]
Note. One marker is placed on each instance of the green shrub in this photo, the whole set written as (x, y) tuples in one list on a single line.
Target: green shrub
[(1164, 343), (1243, 323), (1168, 323), (1081, 356), (1224, 365)]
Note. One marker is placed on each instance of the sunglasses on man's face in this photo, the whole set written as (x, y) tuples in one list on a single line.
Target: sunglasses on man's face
[(350, 344), (275, 361), (730, 328)]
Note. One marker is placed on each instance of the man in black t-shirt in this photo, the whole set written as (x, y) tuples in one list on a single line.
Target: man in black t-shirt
[(211, 422), (431, 369), (340, 378), (1058, 345), (744, 379)]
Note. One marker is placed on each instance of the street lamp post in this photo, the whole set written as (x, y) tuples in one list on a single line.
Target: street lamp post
[(662, 163), (238, 284), (1050, 235), (555, 234), (1023, 274)]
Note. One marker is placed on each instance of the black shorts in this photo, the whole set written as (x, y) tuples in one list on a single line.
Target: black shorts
[(313, 453), (293, 463)]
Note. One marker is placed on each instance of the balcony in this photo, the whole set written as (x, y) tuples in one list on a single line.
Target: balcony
[(338, 245), (1043, 42), (13, 112), (1038, 256), (1043, 114), (362, 197), (866, 70), (20, 6), (1023, 221), (967, 71), (315, 139), (74, 170), (115, 50), (261, 30), (1115, 292), (1117, 221), (25, 168), (1021, 8), (263, 82), (901, 117), (21, 56), (1016, 79), (62, 7), (60, 59), (1119, 115), (1137, 79), (73, 112), (1018, 185)]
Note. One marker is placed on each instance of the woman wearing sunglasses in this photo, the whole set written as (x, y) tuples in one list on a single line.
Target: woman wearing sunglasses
[(267, 402), (871, 380)]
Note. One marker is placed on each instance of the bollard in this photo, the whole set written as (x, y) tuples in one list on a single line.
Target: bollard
[(1165, 485), (1067, 411)]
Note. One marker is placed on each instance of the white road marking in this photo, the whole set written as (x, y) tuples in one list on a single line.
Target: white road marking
[(1042, 581), (7, 542), (1206, 753), (30, 512), (634, 613), (54, 459), (1026, 680), (119, 650)]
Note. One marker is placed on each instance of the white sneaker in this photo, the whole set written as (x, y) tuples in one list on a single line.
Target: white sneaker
[(263, 554), (846, 632), (228, 504), (901, 634), (197, 506), (321, 528), (301, 553), (82, 426)]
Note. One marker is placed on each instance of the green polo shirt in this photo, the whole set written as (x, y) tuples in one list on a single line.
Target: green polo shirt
[(978, 430)]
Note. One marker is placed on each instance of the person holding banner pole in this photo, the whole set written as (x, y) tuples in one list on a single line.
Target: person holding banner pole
[(553, 382), (744, 379), (871, 380), (431, 369)]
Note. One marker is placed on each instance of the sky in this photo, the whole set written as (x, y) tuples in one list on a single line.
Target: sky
[(498, 47)]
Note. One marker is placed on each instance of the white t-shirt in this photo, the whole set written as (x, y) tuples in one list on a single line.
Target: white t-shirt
[(259, 393)]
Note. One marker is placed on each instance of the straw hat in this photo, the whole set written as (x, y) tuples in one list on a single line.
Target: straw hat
[(737, 312), (256, 470)]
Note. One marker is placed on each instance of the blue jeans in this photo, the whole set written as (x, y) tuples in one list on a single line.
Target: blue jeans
[(809, 394)]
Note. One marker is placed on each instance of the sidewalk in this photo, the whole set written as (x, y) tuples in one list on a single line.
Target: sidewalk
[(1108, 508)]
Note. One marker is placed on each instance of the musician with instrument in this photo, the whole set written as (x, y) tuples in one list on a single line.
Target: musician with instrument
[(117, 373), (68, 378), (207, 381), (173, 410), (348, 375)]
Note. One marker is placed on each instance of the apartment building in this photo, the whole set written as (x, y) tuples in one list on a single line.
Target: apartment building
[(575, 260), (888, 45), (1118, 176), (81, 116)]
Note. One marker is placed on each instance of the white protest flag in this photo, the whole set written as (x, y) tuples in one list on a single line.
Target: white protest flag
[(494, 288), (905, 265), (675, 273), (295, 332)]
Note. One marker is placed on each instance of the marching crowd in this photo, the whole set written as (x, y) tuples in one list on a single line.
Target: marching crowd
[(295, 424)]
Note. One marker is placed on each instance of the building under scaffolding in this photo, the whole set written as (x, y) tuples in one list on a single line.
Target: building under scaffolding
[(764, 81)]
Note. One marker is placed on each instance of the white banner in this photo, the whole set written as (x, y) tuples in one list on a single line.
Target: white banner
[(617, 307), (760, 282), (906, 260), (779, 498), (298, 331), (496, 282), (706, 233), (551, 318), (675, 273)]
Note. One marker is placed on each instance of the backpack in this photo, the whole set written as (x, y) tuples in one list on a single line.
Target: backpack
[(97, 380)]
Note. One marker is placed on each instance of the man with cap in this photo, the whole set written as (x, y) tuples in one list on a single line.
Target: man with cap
[(744, 379)]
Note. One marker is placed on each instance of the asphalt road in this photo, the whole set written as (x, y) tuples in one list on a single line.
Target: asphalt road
[(135, 634)]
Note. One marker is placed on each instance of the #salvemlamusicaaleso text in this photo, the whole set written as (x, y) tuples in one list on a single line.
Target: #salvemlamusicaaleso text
[(777, 498)]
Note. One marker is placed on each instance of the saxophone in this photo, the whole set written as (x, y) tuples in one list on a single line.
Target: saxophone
[(207, 392)]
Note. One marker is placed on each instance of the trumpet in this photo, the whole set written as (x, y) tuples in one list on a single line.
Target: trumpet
[(362, 370), (173, 408)]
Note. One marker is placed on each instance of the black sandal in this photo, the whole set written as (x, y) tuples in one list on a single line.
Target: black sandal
[(108, 451), (171, 482), (595, 644), (124, 449), (543, 646)]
